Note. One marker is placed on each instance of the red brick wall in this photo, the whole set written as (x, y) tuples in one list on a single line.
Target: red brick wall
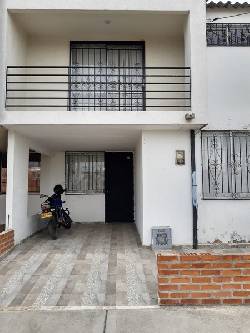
[(6, 241), (203, 279)]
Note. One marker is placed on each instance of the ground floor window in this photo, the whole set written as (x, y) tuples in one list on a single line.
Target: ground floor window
[(226, 164), (85, 172), (33, 172)]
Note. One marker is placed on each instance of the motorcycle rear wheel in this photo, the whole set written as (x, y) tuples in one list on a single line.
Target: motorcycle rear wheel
[(67, 221), (52, 229)]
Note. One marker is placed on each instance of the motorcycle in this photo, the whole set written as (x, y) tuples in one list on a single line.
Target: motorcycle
[(54, 215)]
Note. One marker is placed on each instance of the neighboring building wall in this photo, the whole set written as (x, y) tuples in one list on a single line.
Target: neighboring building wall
[(228, 109), (83, 208), (167, 193)]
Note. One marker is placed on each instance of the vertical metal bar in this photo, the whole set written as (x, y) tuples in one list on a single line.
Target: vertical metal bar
[(107, 64), (221, 162), (232, 163), (100, 73), (119, 80), (6, 87), (94, 83), (208, 167), (88, 78), (194, 191), (91, 170), (82, 80)]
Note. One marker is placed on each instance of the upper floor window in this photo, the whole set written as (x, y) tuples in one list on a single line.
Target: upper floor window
[(228, 34), (226, 165), (107, 76)]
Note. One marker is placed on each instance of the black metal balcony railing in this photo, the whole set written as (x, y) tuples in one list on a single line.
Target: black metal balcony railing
[(98, 88)]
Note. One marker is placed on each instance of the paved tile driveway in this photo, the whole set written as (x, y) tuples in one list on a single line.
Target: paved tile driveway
[(91, 264)]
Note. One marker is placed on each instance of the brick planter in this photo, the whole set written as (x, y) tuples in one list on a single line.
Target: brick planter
[(6, 241), (203, 279)]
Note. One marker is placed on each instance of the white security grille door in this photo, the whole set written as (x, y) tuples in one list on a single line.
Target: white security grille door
[(107, 77)]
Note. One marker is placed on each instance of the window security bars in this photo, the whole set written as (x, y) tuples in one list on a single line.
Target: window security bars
[(226, 165), (228, 34), (84, 172), (98, 88), (113, 76)]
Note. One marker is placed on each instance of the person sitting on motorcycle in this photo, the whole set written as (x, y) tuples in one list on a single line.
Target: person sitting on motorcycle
[(56, 198)]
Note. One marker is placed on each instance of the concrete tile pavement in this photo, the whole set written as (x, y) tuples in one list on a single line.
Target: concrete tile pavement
[(91, 264)]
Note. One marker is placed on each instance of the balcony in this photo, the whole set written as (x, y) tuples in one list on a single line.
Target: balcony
[(98, 88)]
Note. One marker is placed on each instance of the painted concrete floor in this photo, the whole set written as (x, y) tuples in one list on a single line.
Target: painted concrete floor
[(89, 265)]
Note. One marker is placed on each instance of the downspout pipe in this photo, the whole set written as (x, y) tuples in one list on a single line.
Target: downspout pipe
[(194, 191)]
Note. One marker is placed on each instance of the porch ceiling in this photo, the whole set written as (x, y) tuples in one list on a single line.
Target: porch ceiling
[(77, 24), (56, 138)]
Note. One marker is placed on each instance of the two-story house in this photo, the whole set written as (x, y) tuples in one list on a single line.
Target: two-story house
[(108, 99)]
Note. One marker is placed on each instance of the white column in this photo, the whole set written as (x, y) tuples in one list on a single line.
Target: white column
[(196, 56), (17, 186)]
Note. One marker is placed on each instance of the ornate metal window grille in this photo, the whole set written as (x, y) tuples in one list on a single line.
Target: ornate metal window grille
[(226, 165), (107, 76), (84, 172), (228, 34)]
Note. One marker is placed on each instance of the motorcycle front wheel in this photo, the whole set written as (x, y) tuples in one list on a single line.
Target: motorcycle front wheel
[(52, 229)]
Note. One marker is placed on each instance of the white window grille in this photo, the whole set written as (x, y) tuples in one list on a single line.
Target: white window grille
[(226, 164), (85, 172)]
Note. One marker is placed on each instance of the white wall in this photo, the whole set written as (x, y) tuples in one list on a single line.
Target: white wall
[(83, 208), (2, 208), (166, 186), (16, 43)]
